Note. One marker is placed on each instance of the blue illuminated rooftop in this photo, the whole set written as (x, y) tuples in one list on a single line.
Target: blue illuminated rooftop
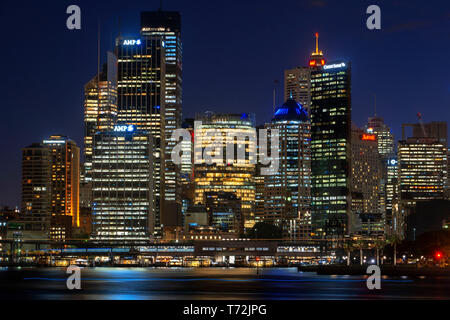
[(290, 110)]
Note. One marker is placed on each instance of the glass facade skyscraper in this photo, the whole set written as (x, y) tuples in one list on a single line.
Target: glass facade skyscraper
[(287, 192), (123, 203), (141, 74), (331, 148), (166, 25)]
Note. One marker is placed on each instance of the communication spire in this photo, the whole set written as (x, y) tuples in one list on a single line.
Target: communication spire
[(316, 58)]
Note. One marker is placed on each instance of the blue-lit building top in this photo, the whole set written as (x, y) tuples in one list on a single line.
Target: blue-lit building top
[(290, 111)]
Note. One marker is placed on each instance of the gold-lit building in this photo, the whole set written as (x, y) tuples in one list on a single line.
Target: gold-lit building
[(64, 175), (219, 174), (100, 108)]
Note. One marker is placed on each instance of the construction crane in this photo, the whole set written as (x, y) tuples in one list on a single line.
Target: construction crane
[(412, 125), (419, 117)]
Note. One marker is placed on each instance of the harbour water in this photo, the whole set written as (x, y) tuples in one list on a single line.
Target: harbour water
[(210, 283)]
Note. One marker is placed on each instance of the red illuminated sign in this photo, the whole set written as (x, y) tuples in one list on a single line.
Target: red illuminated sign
[(369, 137), (312, 63)]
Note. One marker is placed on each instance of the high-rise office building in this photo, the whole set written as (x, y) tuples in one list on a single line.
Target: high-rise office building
[(100, 108), (36, 187), (297, 81), (220, 174), (331, 148), (64, 184), (123, 201), (141, 96), (386, 150), (166, 25), (288, 191), (149, 96), (391, 193), (422, 169), (366, 176), (422, 172)]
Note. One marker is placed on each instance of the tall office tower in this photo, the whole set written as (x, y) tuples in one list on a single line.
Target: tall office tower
[(166, 25), (141, 74), (391, 193), (297, 81), (36, 188), (122, 181), (100, 108), (65, 184), (213, 171), (331, 148), (366, 176), (422, 172), (386, 149), (288, 191)]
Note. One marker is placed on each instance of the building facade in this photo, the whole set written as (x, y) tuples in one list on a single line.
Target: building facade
[(331, 148), (166, 25), (287, 192), (65, 185), (422, 173), (213, 171), (123, 202)]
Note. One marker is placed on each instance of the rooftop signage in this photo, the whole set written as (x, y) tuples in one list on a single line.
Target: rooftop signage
[(334, 66)]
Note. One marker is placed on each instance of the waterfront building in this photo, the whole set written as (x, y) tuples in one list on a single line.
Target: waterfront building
[(122, 176), (331, 149), (219, 174), (288, 191)]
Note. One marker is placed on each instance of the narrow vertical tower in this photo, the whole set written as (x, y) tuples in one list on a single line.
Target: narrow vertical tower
[(316, 58)]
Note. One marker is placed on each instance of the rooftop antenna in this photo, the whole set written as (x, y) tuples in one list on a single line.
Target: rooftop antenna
[(98, 67), (98, 54), (160, 5), (317, 42), (375, 105), (274, 94)]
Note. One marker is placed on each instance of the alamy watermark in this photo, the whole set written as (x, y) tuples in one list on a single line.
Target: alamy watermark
[(226, 147)]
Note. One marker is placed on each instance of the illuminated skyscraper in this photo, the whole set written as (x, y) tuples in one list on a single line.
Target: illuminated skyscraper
[(422, 169), (166, 25), (100, 108), (36, 187), (65, 174), (386, 150), (422, 172), (149, 92), (222, 174), (141, 74), (123, 202), (287, 194), (331, 148), (366, 176)]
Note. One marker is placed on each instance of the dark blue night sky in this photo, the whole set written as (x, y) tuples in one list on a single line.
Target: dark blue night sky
[(233, 52)]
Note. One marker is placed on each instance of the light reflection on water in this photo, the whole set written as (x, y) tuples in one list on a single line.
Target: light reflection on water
[(209, 283)]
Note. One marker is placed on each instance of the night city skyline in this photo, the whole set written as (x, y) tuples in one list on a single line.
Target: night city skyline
[(226, 66), (247, 151)]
